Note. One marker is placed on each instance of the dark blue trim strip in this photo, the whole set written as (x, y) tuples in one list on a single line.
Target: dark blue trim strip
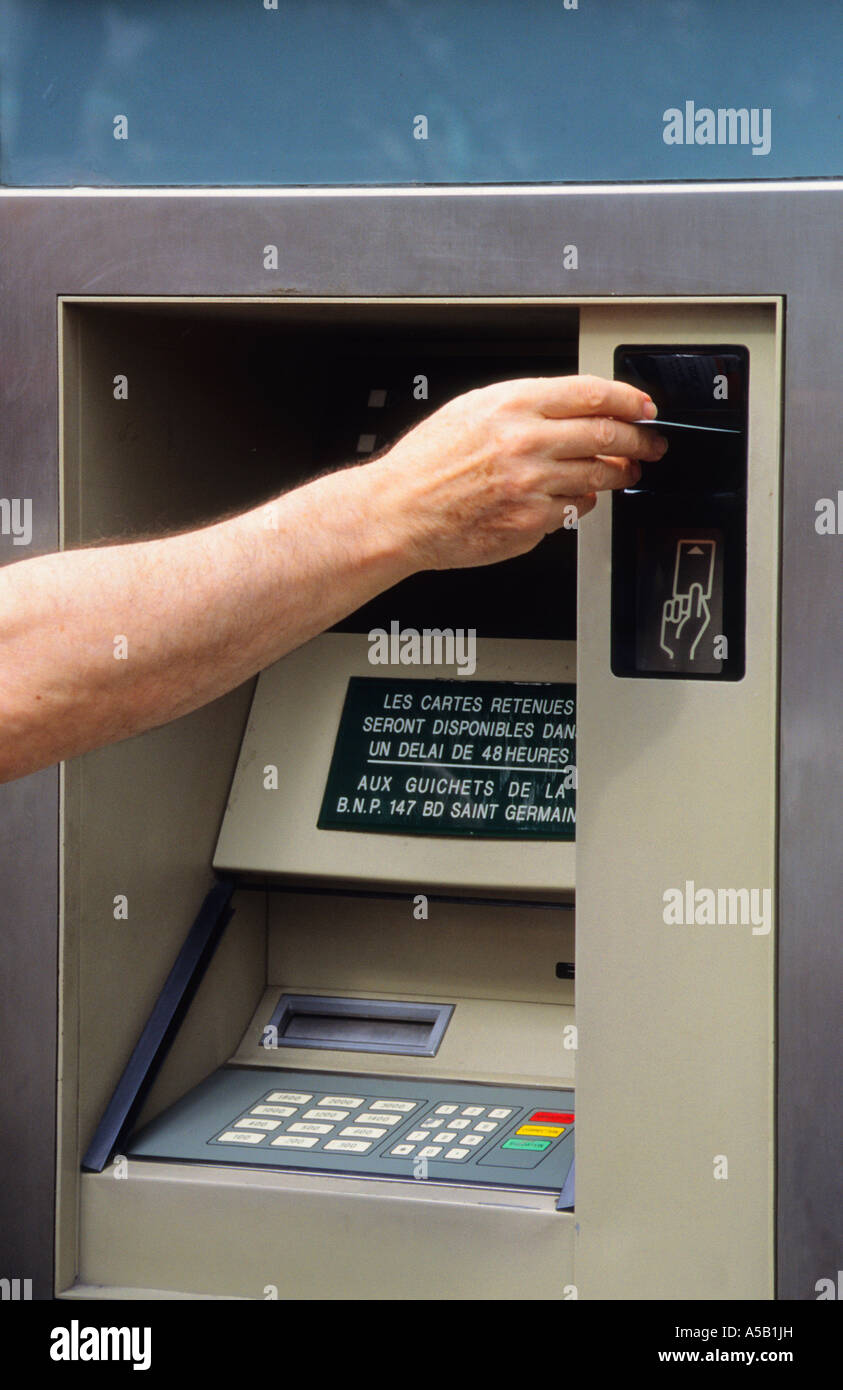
[(162, 1025), (566, 1196)]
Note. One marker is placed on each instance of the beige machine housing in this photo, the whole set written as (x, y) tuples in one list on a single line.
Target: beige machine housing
[(670, 1045)]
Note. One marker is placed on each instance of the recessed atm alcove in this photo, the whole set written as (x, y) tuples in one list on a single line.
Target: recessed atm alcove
[(247, 1143)]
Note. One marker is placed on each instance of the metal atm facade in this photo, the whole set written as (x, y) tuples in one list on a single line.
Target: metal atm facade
[(679, 1039)]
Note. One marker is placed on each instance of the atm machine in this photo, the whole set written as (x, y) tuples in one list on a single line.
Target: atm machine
[(391, 976)]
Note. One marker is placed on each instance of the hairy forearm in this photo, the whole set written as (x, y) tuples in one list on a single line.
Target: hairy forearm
[(99, 644)]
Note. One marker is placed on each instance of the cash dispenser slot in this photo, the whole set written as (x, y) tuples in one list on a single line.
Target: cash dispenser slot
[(359, 1025)]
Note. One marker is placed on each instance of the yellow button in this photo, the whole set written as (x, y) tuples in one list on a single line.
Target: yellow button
[(549, 1131)]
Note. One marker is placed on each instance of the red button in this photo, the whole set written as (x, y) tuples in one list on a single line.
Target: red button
[(551, 1117)]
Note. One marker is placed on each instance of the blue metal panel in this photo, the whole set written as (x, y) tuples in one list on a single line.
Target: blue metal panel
[(230, 92)]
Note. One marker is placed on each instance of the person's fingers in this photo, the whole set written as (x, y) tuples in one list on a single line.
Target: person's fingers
[(561, 397), (585, 437), (580, 438), (576, 477)]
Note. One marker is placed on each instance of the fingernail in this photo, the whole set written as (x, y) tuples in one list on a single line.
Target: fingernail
[(662, 444), (650, 409)]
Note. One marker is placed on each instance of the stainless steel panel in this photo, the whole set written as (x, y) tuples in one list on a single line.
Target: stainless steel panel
[(29, 850), (723, 240)]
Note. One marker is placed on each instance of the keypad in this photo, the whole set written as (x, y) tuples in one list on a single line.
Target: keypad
[(409, 1129), (335, 1123), (361, 1124), (452, 1133)]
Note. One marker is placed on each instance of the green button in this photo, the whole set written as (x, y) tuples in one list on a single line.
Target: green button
[(526, 1144)]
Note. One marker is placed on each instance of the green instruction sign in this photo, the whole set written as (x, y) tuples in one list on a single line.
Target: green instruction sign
[(449, 757)]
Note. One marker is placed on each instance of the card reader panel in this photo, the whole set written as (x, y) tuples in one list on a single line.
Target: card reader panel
[(383, 1127), (679, 534)]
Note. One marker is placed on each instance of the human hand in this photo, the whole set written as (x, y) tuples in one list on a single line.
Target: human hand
[(489, 474)]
